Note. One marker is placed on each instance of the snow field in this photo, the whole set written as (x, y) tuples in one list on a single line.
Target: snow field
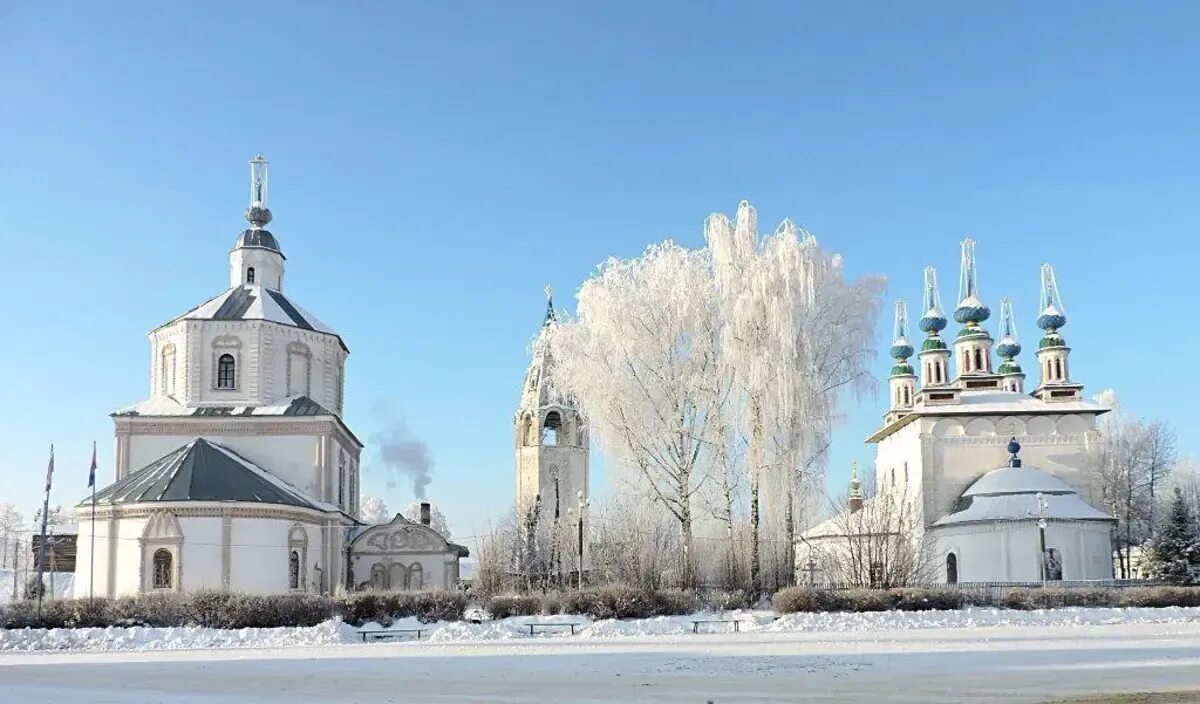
[(333, 633)]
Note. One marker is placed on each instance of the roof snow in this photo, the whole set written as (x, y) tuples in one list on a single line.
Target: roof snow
[(255, 303)]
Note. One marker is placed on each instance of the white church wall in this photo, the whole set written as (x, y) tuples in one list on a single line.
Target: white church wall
[(1009, 552), (258, 556), (200, 562), (127, 560)]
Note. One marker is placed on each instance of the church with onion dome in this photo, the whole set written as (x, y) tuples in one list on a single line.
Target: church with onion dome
[(239, 472), (983, 479)]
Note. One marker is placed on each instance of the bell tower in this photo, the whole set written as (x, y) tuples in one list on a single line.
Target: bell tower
[(551, 437)]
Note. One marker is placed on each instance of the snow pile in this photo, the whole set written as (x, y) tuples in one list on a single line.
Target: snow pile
[(512, 628), (191, 637), (978, 617)]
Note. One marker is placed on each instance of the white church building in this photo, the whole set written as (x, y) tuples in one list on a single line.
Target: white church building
[(996, 484), (238, 472)]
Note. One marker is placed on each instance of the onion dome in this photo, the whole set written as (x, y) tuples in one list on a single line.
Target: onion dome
[(971, 309), (901, 349), (257, 213), (934, 321), (1008, 347), (1053, 315)]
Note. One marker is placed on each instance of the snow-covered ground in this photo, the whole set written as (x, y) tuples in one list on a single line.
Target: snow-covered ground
[(516, 629), (975, 655)]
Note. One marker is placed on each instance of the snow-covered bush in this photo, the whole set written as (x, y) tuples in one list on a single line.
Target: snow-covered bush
[(1159, 596), (629, 602), (805, 600), (929, 598), (514, 605), (384, 607)]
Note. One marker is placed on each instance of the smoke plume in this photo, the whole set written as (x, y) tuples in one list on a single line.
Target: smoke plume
[(405, 457)]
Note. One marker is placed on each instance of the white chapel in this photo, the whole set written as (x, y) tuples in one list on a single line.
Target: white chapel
[(238, 472), (996, 481)]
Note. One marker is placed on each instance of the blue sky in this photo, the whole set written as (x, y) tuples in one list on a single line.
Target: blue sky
[(435, 165)]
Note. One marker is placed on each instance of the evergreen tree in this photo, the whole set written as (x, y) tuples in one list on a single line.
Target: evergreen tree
[(1175, 553)]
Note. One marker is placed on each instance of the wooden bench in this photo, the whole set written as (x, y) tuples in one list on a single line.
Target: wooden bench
[(553, 625), (736, 623), (392, 634)]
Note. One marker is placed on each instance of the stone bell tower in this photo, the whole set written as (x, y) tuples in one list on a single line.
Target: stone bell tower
[(551, 438)]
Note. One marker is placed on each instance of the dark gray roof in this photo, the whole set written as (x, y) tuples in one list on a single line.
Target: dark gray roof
[(258, 238), (204, 471)]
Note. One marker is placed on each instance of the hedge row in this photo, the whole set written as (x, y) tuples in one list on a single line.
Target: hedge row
[(806, 599), (598, 603), (226, 610)]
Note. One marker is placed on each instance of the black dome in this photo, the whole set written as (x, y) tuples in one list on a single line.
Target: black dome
[(258, 238)]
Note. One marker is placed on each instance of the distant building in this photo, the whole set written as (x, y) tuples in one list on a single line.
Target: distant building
[(60, 551), (551, 438), (969, 465)]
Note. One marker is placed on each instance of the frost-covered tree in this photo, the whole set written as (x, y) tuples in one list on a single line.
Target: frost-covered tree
[(373, 511), (1135, 457), (1174, 554), (641, 358), (708, 375), (795, 334), (12, 523), (437, 519)]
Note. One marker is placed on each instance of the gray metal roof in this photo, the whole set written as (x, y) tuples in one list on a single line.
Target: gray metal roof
[(256, 303), (1011, 494), (204, 471), (262, 239)]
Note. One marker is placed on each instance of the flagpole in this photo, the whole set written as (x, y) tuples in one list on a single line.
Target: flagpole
[(92, 552), (42, 545)]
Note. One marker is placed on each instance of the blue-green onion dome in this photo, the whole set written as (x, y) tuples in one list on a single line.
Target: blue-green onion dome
[(901, 349), (1052, 339), (932, 321), (972, 310), (1008, 348), (1051, 318), (1010, 366), (902, 370), (933, 343)]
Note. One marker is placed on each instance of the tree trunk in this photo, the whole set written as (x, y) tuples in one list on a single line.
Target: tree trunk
[(756, 440), (789, 550)]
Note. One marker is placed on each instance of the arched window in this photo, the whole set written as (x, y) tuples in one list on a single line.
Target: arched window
[(951, 569), (299, 369), (294, 570), (416, 577), (341, 491), (979, 360), (379, 576), (226, 372), (163, 569), (250, 275), (551, 427)]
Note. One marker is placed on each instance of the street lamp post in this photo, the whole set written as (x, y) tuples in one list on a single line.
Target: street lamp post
[(1041, 501), (583, 504)]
